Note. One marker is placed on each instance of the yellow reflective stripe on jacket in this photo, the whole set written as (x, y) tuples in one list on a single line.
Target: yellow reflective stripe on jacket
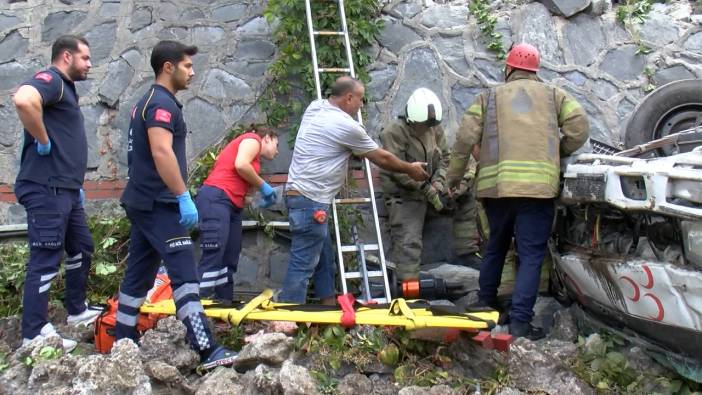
[(518, 172), (476, 109), (569, 105)]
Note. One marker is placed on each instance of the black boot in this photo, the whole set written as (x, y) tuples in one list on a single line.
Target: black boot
[(525, 329)]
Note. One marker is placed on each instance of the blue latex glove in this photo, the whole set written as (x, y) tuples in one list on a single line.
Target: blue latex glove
[(81, 196), (188, 211), (43, 149), (267, 192), (267, 201)]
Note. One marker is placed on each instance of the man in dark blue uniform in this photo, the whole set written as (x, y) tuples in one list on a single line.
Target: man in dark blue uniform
[(159, 205), (49, 186)]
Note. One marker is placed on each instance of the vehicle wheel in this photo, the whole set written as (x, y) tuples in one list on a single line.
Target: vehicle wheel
[(669, 109)]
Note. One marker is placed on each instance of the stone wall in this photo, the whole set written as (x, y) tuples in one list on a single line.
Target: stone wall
[(425, 43)]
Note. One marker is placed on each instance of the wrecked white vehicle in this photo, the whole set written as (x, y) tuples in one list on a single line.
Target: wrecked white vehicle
[(628, 242)]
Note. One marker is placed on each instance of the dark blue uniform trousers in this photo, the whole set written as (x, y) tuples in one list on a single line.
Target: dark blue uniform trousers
[(55, 222), (156, 235), (530, 221), (220, 242)]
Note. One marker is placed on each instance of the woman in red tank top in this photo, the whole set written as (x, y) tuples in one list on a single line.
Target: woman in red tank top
[(220, 201)]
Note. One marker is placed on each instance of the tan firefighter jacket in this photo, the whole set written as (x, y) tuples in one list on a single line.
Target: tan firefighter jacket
[(522, 128), (412, 146)]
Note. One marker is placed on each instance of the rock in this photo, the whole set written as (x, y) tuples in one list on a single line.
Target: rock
[(353, 384), (14, 379), (13, 74), (13, 46), (109, 10), (623, 63), (542, 367), (421, 69), (258, 25), (140, 19), (599, 7), (604, 89), (584, 39), (269, 349), (8, 21), (451, 50), (100, 48), (576, 77), (53, 375), (466, 276), (59, 23), (167, 343), (394, 36), (168, 11), (492, 71), (118, 373), (163, 372), (192, 14), (220, 381), (434, 390), (564, 326), (206, 34), (10, 135), (659, 29), (205, 124), (380, 83), (474, 360), (566, 8), (694, 43), (533, 25), (133, 57), (680, 10), (254, 50), (250, 69), (262, 380), (674, 73), (91, 120), (463, 97), (639, 361), (221, 85), (406, 9), (445, 17), (624, 110), (229, 12), (296, 380), (119, 74)]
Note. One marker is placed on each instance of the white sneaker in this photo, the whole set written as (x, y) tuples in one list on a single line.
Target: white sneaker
[(47, 331), (87, 317)]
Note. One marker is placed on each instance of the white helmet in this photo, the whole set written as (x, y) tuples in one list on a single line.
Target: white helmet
[(423, 106)]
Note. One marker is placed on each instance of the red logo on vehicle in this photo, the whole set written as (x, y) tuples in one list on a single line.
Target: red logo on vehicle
[(46, 77), (162, 115)]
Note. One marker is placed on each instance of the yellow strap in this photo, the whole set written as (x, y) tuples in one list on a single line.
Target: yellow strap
[(236, 316), (399, 307)]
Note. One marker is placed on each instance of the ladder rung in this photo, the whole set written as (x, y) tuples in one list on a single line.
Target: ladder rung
[(371, 274), (328, 33), (354, 248), (352, 201), (334, 70)]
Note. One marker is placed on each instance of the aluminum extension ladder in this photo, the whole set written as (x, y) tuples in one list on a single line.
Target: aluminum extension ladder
[(358, 247)]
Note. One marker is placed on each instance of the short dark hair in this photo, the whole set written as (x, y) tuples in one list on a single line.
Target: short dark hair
[(169, 51), (67, 42), (344, 85), (262, 131)]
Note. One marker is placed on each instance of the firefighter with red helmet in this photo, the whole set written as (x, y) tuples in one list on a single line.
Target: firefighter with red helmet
[(518, 132)]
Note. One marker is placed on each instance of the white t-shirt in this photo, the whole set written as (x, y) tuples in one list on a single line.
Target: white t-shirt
[(326, 139)]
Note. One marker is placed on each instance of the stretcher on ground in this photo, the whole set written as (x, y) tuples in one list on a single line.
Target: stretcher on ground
[(410, 314)]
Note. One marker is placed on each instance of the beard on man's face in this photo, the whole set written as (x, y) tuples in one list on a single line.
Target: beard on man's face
[(75, 74)]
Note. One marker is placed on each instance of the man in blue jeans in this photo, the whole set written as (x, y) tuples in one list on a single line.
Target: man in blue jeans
[(327, 138)]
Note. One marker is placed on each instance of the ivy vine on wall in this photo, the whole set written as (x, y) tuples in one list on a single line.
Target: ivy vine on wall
[(291, 84)]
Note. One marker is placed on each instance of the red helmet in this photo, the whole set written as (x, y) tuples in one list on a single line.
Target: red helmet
[(524, 56)]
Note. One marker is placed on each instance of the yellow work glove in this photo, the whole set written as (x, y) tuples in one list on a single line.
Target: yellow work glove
[(433, 197)]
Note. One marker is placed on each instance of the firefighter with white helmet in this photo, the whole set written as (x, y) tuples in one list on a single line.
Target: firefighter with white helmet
[(418, 136)]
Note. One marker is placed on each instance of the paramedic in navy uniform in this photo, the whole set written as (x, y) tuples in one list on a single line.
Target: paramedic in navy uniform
[(49, 186), (159, 206)]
